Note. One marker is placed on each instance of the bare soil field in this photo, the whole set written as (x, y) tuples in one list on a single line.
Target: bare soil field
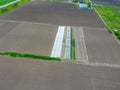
[(28, 74), (27, 38), (54, 13), (36, 38), (101, 46), (107, 2)]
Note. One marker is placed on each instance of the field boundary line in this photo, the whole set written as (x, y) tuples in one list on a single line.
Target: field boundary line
[(83, 46), (95, 64), (25, 22)]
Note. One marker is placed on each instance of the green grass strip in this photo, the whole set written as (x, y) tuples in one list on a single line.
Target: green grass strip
[(73, 51), (102, 18), (12, 6), (110, 15), (15, 55), (2, 2)]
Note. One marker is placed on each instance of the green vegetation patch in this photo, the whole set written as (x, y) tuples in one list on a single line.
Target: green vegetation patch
[(110, 15), (12, 6), (72, 49), (15, 55), (2, 2)]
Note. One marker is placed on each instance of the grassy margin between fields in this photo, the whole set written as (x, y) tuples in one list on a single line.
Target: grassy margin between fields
[(2, 2), (110, 15), (12, 6), (72, 48), (21, 55)]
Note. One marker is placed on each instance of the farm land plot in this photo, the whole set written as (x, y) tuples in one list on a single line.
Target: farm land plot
[(37, 39), (54, 13)]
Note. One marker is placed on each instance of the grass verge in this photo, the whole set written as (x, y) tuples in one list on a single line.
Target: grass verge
[(15, 55), (12, 6), (2, 2), (72, 51), (110, 15)]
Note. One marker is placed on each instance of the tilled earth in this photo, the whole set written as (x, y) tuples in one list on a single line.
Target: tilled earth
[(29, 74), (27, 38), (54, 13)]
